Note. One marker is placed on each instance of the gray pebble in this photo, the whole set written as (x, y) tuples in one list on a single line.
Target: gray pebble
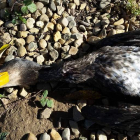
[(50, 48), (72, 24), (45, 114), (66, 37), (21, 51), (23, 27), (82, 28), (9, 57), (32, 46), (70, 18), (54, 54), (45, 136), (66, 134), (52, 6), (77, 36), (9, 24), (60, 10), (63, 21)]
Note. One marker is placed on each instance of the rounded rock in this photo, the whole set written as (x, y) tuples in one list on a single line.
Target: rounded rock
[(66, 134), (23, 27), (73, 51), (66, 30), (9, 24), (23, 34), (93, 39), (39, 5), (54, 54), (45, 114), (34, 31), (44, 18), (21, 51), (40, 24), (82, 28), (57, 36), (42, 43), (45, 136), (9, 57), (40, 59), (119, 22), (55, 135), (30, 39), (58, 27), (52, 6), (63, 22), (32, 46), (30, 23), (20, 42)]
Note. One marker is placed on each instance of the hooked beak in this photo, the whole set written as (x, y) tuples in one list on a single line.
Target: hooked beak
[(4, 78)]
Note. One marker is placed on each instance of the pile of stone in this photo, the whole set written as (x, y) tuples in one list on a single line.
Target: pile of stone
[(53, 33)]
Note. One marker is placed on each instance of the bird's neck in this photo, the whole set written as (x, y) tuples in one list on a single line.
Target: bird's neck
[(75, 71)]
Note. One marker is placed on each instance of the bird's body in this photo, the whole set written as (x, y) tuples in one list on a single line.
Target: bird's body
[(113, 69)]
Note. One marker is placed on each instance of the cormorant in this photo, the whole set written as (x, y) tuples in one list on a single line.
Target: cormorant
[(114, 67)]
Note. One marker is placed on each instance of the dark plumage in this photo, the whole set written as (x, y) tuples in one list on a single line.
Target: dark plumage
[(115, 68)]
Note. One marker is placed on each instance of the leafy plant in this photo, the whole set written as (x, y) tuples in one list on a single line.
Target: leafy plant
[(2, 96), (133, 7), (45, 101), (18, 16), (3, 135), (27, 6)]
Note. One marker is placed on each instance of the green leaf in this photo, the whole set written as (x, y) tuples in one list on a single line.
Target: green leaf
[(22, 19), (50, 103), (45, 93), (43, 101), (3, 135), (32, 7), (14, 21), (2, 96), (27, 2), (24, 9)]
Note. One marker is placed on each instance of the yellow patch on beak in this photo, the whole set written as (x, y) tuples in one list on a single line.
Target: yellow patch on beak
[(4, 78)]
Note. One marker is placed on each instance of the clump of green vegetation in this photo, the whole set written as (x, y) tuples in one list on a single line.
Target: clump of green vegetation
[(133, 7), (26, 6), (45, 101), (3, 135)]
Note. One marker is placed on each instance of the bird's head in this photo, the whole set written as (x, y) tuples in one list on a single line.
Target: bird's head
[(19, 72)]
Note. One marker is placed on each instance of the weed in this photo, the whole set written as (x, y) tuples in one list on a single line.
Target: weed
[(45, 101), (26, 7), (133, 7)]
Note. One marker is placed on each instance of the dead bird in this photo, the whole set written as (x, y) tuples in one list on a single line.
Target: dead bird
[(114, 67)]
